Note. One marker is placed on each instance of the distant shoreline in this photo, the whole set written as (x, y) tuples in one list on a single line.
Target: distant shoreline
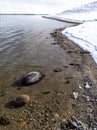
[(65, 20), (23, 14)]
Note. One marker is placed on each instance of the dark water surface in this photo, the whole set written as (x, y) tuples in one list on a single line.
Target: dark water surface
[(26, 40)]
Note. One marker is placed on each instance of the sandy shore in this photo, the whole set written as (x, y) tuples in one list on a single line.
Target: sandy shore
[(52, 101)]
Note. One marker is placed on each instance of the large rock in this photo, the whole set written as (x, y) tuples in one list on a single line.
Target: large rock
[(32, 78)]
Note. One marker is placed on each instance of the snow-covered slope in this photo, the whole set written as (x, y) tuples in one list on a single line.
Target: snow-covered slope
[(84, 13)]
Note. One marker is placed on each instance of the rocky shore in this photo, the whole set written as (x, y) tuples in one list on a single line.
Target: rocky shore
[(66, 99), (84, 106)]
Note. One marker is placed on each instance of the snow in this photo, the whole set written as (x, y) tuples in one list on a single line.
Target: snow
[(78, 17), (84, 34)]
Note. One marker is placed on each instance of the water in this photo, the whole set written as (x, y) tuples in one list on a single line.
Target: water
[(26, 40)]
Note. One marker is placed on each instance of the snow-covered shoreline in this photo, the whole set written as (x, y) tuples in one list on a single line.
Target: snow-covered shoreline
[(84, 35)]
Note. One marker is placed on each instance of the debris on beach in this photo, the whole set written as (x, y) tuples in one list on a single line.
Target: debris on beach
[(71, 64), (32, 78), (66, 115), (23, 124), (21, 100), (89, 85), (75, 95)]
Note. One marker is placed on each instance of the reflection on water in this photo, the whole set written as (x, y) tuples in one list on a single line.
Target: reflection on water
[(26, 40)]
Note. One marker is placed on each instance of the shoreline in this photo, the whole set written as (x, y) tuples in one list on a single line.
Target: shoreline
[(52, 103), (85, 69), (65, 20)]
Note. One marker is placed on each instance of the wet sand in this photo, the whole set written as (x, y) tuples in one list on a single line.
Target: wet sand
[(51, 99)]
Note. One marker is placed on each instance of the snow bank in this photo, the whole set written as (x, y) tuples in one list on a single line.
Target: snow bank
[(85, 36)]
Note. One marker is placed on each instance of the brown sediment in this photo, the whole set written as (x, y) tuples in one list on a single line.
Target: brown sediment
[(51, 100)]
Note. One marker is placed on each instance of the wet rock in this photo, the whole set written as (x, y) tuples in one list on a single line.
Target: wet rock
[(57, 70), (74, 123), (84, 52), (21, 100), (54, 43), (32, 78), (46, 92), (67, 81), (65, 66), (70, 51), (72, 64), (51, 33), (4, 121)]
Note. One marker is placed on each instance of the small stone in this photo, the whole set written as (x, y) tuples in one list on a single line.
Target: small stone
[(74, 104), (88, 86), (21, 100), (64, 121), (23, 124), (30, 105), (72, 64), (84, 52), (75, 95), (67, 81), (12, 118), (54, 43), (46, 92), (70, 51), (65, 66), (56, 116), (18, 88), (57, 70)]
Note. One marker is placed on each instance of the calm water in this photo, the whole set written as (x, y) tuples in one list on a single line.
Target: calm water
[(26, 40)]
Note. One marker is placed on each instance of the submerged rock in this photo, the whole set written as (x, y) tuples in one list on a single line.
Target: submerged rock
[(32, 78), (21, 100), (4, 121), (57, 70), (84, 52)]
